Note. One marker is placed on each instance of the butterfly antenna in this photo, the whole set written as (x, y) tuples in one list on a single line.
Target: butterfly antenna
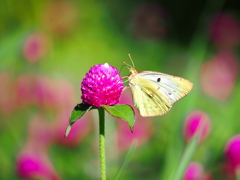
[(125, 64), (131, 60), (122, 67)]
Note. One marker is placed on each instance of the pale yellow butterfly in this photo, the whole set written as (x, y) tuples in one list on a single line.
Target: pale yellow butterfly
[(155, 92)]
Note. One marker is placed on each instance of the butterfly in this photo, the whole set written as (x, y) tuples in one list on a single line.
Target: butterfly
[(154, 93)]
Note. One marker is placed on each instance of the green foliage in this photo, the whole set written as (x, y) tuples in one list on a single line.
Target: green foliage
[(76, 114), (123, 111)]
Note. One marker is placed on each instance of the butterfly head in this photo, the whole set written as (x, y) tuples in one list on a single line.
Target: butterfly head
[(133, 71)]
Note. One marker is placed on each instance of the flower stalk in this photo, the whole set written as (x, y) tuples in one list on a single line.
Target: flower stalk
[(102, 143), (101, 89)]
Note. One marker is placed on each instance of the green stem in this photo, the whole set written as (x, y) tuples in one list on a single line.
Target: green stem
[(102, 143)]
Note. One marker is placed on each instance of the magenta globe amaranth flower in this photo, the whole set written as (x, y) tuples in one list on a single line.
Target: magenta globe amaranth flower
[(195, 171), (232, 152), (102, 85), (224, 30), (197, 122), (218, 76)]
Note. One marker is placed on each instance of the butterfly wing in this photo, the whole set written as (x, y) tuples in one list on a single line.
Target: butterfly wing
[(173, 87), (148, 100), (154, 93)]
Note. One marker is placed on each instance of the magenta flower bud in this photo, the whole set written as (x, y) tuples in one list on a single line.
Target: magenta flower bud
[(68, 17), (224, 30), (196, 121), (232, 150), (24, 87), (46, 96), (35, 47), (81, 128), (32, 166), (218, 75), (7, 94), (102, 85), (194, 171), (39, 132)]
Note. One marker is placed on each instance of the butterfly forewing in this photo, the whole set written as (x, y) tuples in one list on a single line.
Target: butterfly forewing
[(171, 86)]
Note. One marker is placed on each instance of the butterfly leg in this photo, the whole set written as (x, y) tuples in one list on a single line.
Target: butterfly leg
[(124, 77)]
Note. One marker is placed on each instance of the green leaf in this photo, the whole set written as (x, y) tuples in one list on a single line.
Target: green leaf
[(123, 111), (76, 114)]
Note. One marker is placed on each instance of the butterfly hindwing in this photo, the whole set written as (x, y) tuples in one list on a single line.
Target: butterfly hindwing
[(148, 100)]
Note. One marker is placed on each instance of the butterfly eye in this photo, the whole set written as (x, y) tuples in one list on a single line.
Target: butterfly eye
[(158, 79)]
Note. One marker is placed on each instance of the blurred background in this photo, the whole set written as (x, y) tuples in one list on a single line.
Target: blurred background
[(46, 47)]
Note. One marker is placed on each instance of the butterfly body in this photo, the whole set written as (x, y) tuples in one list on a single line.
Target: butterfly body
[(154, 92)]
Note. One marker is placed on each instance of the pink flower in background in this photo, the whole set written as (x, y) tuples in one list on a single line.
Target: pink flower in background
[(218, 76), (40, 134), (149, 22), (43, 92), (80, 129), (60, 17), (142, 132), (24, 87), (232, 153), (32, 165), (195, 171), (35, 47), (52, 94), (32, 89), (102, 85), (7, 94), (33, 161), (196, 121), (142, 129), (224, 30), (65, 94)]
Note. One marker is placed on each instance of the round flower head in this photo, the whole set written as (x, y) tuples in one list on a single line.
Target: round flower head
[(194, 171), (197, 121), (232, 150), (102, 85)]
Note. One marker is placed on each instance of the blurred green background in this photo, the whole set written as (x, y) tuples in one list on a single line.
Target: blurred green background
[(46, 47)]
